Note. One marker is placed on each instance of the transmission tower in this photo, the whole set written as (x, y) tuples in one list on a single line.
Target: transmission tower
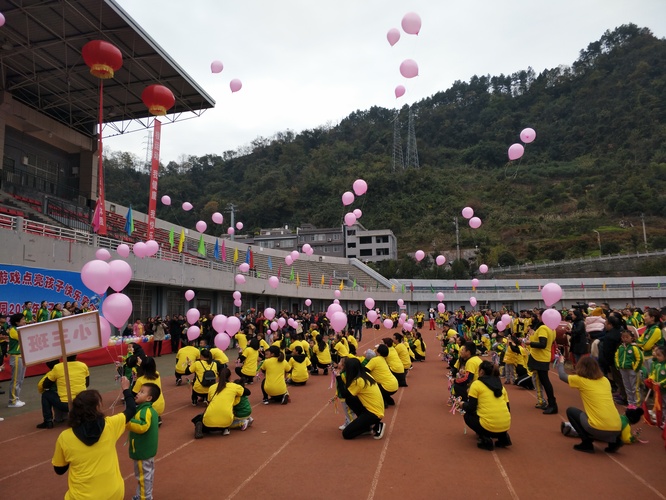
[(398, 159), (412, 152), (149, 152)]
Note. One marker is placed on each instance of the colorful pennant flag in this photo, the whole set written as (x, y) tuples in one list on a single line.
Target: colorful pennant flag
[(235, 255), (216, 251), (270, 263), (181, 241), (224, 251), (342, 285), (171, 239), (202, 247), (129, 222), (291, 274)]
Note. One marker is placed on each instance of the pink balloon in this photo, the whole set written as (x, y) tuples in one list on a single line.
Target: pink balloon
[(140, 249), (369, 302), (120, 274), (472, 300), (336, 301), (388, 323), (551, 318), (166, 200), (123, 250), (201, 226), (441, 307), (193, 333), (244, 267), (475, 223), (269, 313), (500, 326), (440, 260), (230, 230), (337, 293), (236, 295), (333, 308), (419, 255), (96, 275), (307, 248), (117, 309), (338, 321), (372, 316), (103, 254), (551, 293), (281, 322), (357, 213), (350, 219), (222, 341), (273, 282), (187, 206), (411, 23), (238, 302), (468, 212), (308, 302), (475, 282), (233, 325), (393, 36), (483, 269), (516, 151), (401, 302), (216, 67), (440, 296), (189, 295), (409, 68), (399, 91), (274, 326), (288, 260), (294, 255), (347, 198), (527, 135), (360, 187), (239, 279), (152, 247), (292, 323), (239, 225), (105, 330), (408, 327), (219, 322), (506, 319), (192, 315), (217, 217), (235, 85)]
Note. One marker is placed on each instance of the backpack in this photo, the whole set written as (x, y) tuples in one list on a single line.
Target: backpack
[(209, 377)]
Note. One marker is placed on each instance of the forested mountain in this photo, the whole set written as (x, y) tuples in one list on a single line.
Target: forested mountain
[(597, 164)]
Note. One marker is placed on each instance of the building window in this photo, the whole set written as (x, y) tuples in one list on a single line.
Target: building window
[(351, 232), (366, 252), (351, 256), (319, 237), (382, 251), (325, 249), (337, 248), (381, 239), (365, 240), (351, 245), (337, 236)]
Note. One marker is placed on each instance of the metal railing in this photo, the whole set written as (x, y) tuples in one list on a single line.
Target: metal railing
[(581, 260)]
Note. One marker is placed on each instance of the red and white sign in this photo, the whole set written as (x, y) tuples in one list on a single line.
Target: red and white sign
[(154, 175), (41, 342)]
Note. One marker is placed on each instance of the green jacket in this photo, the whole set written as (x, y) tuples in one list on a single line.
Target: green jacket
[(143, 432), (628, 357)]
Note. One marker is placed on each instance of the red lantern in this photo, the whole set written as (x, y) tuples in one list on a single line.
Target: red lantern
[(158, 99), (103, 58)]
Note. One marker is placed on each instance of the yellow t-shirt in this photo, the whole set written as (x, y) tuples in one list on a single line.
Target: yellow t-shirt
[(275, 370), (93, 470), (220, 410), (352, 340), (299, 371), (471, 366), (184, 353), (369, 395), (323, 357), (159, 405), (393, 361), (342, 349), (542, 355), (403, 354), (379, 369), (241, 338), (78, 372), (219, 355), (493, 413), (250, 364), (198, 367), (597, 402)]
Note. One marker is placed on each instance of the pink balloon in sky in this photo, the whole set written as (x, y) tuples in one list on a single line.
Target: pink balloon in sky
[(369, 302), (411, 23), (440, 296), (230, 230), (527, 135), (347, 198), (103, 254), (216, 67), (409, 68), (239, 225), (187, 206), (96, 275), (468, 212), (166, 200), (393, 36), (117, 309), (551, 318), (217, 218), (201, 226), (360, 187), (475, 282), (239, 279), (475, 223), (483, 269), (440, 260), (244, 267), (273, 282), (123, 250), (308, 302), (350, 219), (472, 301), (189, 295), (419, 255), (357, 213), (235, 85), (551, 293), (516, 151), (289, 260), (399, 91)]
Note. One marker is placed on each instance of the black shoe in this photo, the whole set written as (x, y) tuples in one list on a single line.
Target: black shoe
[(503, 442), (613, 447), (485, 443), (551, 410), (159, 421), (325, 371), (198, 430), (379, 430), (584, 447), (285, 399), (45, 425)]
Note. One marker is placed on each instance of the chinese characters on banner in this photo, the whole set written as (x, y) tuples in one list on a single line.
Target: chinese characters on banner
[(154, 175), (40, 342)]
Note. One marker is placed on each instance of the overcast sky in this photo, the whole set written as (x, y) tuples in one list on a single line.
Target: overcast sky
[(307, 63)]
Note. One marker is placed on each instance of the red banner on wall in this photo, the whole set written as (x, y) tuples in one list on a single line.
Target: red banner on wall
[(154, 174), (99, 216)]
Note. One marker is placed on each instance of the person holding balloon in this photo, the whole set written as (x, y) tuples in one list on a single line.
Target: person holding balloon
[(540, 345)]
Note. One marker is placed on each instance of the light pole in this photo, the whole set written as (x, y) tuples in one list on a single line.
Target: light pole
[(598, 240)]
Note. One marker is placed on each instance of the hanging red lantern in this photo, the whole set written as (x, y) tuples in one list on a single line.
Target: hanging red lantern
[(158, 99), (103, 58)]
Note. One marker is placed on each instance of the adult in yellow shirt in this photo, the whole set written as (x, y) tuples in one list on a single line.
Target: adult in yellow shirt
[(79, 379), (321, 355), (600, 420), (88, 448), (220, 357), (241, 339), (299, 363), (274, 386), (249, 358), (403, 352), (394, 363), (540, 343), (198, 367), (183, 357), (465, 369), (219, 414), (341, 347), (487, 410), (380, 371), (363, 396)]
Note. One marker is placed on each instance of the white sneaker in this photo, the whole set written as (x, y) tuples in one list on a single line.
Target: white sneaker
[(18, 404), (225, 432), (2, 419), (343, 427)]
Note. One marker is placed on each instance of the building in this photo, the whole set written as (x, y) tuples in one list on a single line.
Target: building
[(370, 245)]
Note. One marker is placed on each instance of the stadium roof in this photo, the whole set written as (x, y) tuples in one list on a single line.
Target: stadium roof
[(42, 66)]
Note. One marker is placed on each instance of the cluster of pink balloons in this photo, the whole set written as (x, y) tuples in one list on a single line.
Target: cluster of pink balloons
[(517, 150), (307, 249), (468, 213), (360, 187), (140, 249), (411, 24), (99, 275), (237, 298)]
